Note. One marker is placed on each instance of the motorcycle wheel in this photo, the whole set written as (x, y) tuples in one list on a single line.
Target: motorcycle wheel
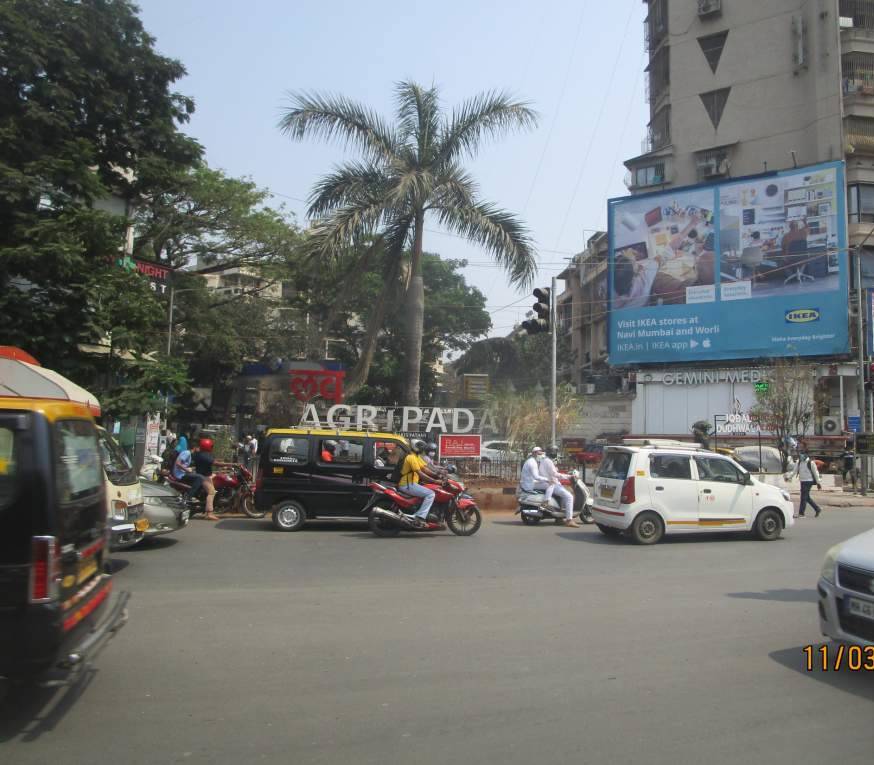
[(247, 505), (530, 520), (465, 528), (379, 526)]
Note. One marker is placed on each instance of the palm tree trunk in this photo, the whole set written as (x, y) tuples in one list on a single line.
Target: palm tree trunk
[(415, 316), (358, 376)]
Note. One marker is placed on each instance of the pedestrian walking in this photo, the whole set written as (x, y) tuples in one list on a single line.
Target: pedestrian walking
[(808, 474), (848, 465)]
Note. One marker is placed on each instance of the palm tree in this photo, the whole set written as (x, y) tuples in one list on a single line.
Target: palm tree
[(408, 172)]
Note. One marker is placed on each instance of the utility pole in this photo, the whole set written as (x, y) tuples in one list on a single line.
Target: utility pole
[(554, 325)]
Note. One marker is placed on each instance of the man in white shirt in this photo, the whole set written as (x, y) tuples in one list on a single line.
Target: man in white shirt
[(807, 471), (549, 471), (531, 479)]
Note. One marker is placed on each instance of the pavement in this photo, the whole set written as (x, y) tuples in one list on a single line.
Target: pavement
[(517, 645)]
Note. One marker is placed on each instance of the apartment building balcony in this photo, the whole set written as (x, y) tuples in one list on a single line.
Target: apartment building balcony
[(655, 25), (859, 134)]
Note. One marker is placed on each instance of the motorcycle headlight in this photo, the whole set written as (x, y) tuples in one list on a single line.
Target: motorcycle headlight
[(829, 564), (119, 510)]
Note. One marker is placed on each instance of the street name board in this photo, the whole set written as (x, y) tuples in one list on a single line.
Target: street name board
[(854, 424)]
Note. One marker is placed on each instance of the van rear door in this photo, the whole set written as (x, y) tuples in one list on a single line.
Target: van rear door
[(611, 476)]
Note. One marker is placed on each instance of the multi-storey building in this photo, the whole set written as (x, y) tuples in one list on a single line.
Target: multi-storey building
[(738, 88)]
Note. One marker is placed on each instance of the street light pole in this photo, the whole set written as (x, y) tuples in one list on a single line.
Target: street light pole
[(553, 323), (860, 343), (170, 323)]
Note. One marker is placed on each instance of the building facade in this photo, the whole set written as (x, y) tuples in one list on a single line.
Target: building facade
[(738, 88)]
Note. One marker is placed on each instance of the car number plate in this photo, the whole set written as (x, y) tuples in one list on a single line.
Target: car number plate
[(861, 608), (607, 491), (87, 568)]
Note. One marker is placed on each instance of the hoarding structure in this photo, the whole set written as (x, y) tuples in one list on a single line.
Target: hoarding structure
[(743, 269)]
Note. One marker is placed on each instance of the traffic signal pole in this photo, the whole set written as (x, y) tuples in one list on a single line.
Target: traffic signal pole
[(860, 341), (553, 316)]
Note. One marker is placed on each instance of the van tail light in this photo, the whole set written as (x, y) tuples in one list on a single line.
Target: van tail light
[(627, 496), (45, 569)]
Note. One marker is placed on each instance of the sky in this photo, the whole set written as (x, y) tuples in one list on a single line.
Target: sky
[(580, 65)]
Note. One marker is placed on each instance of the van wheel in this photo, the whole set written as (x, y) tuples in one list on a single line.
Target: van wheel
[(768, 525), (609, 530), (289, 516), (647, 529)]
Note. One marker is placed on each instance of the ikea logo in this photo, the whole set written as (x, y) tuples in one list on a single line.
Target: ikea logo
[(802, 315)]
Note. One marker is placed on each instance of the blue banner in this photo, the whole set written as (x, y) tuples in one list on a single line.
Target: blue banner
[(742, 269)]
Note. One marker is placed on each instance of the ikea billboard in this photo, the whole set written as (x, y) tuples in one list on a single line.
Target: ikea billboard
[(735, 270)]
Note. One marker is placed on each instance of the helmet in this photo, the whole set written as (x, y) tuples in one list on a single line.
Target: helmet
[(331, 446), (418, 445), (205, 444), (431, 447), (552, 452)]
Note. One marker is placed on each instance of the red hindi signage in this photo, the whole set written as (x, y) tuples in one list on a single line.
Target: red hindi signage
[(306, 384), (459, 446)]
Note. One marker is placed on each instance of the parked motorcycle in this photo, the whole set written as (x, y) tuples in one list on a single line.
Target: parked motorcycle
[(233, 493), (391, 510), (532, 509)]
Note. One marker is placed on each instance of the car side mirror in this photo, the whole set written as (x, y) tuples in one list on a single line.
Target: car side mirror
[(748, 479)]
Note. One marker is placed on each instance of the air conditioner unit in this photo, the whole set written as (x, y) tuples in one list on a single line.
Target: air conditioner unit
[(708, 7), (831, 426), (708, 167), (845, 22)]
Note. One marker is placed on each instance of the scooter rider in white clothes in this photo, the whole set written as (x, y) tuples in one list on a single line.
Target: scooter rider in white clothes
[(531, 479), (565, 498)]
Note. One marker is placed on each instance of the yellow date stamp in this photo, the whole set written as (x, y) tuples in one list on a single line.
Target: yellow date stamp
[(838, 657)]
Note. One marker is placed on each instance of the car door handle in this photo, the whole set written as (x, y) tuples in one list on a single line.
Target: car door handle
[(706, 491), (659, 488)]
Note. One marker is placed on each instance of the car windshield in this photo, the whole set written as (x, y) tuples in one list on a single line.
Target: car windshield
[(116, 463), (615, 465)]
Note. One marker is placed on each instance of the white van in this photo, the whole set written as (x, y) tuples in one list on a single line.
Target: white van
[(649, 488), (124, 494)]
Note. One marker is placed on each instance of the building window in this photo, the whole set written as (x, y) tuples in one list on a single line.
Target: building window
[(649, 175), (858, 72), (860, 203), (714, 102), (860, 134), (860, 11), (711, 47), (712, 163), (656, 23), (659, 74), (660, 129)]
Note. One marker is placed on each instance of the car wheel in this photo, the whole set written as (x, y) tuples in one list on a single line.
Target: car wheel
[(648, 528), (609, 530), (289, 516), (768, 526)]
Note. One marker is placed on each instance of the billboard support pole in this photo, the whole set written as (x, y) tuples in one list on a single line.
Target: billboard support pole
[(860, 342), (553, 323)]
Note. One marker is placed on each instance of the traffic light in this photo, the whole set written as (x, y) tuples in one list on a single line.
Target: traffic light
[(543, 309)]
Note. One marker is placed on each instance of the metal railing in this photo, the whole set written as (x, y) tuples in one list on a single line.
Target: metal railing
[(860, 11), (507, 470)]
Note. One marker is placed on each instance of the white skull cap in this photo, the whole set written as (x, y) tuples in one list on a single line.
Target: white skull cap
[(536, 449)]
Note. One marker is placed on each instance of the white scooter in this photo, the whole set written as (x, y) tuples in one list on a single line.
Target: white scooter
[(532, 509)]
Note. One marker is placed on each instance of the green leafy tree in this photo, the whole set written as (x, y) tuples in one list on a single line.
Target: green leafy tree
[(410, 171), (86, 107)]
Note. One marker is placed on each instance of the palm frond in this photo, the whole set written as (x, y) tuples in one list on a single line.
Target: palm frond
[(499, 232), (330, 116), (347, 183), (453, 187), (362, 217), (493, 113), (419, 118)]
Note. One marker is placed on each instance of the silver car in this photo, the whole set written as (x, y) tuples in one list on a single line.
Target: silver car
[(846, 591), (164, 508)]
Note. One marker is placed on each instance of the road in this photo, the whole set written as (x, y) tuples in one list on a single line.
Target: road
[(518, 645)]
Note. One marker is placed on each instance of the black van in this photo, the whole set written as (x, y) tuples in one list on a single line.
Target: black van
[(322, 473), (56, 601)]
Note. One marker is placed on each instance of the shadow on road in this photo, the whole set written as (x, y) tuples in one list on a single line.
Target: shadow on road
[(783, 596), (153, 543), (31, 711), (249, 524), (857, 683), (118, 564), (258, 524)]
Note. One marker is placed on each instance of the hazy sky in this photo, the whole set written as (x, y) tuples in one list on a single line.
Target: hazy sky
[(580, 64)]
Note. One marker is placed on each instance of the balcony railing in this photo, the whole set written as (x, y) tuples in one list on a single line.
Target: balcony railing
[(860, 133), (860, 11)]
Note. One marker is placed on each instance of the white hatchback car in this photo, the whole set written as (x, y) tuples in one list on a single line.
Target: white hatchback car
[(846, 591), (649, 488)]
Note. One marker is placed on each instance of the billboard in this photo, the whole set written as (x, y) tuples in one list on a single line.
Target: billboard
[(735, 270), (452, 446)]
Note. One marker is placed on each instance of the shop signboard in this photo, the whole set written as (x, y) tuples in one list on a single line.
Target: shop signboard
[(741, 269), (865, 443), (454, 447)]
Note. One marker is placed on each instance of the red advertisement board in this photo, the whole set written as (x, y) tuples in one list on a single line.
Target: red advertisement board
[(459, 446)]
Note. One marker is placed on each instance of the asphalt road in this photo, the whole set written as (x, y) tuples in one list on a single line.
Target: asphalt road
[(518, 645)]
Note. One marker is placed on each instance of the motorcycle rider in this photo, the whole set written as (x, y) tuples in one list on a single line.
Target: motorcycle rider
[(531, 479), (415, 468), (183, 471), (203, 463), (565, 498), (431, 455)]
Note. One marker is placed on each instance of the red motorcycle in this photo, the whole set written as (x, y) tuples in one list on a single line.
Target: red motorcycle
[(233, 493), (391, 509)]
